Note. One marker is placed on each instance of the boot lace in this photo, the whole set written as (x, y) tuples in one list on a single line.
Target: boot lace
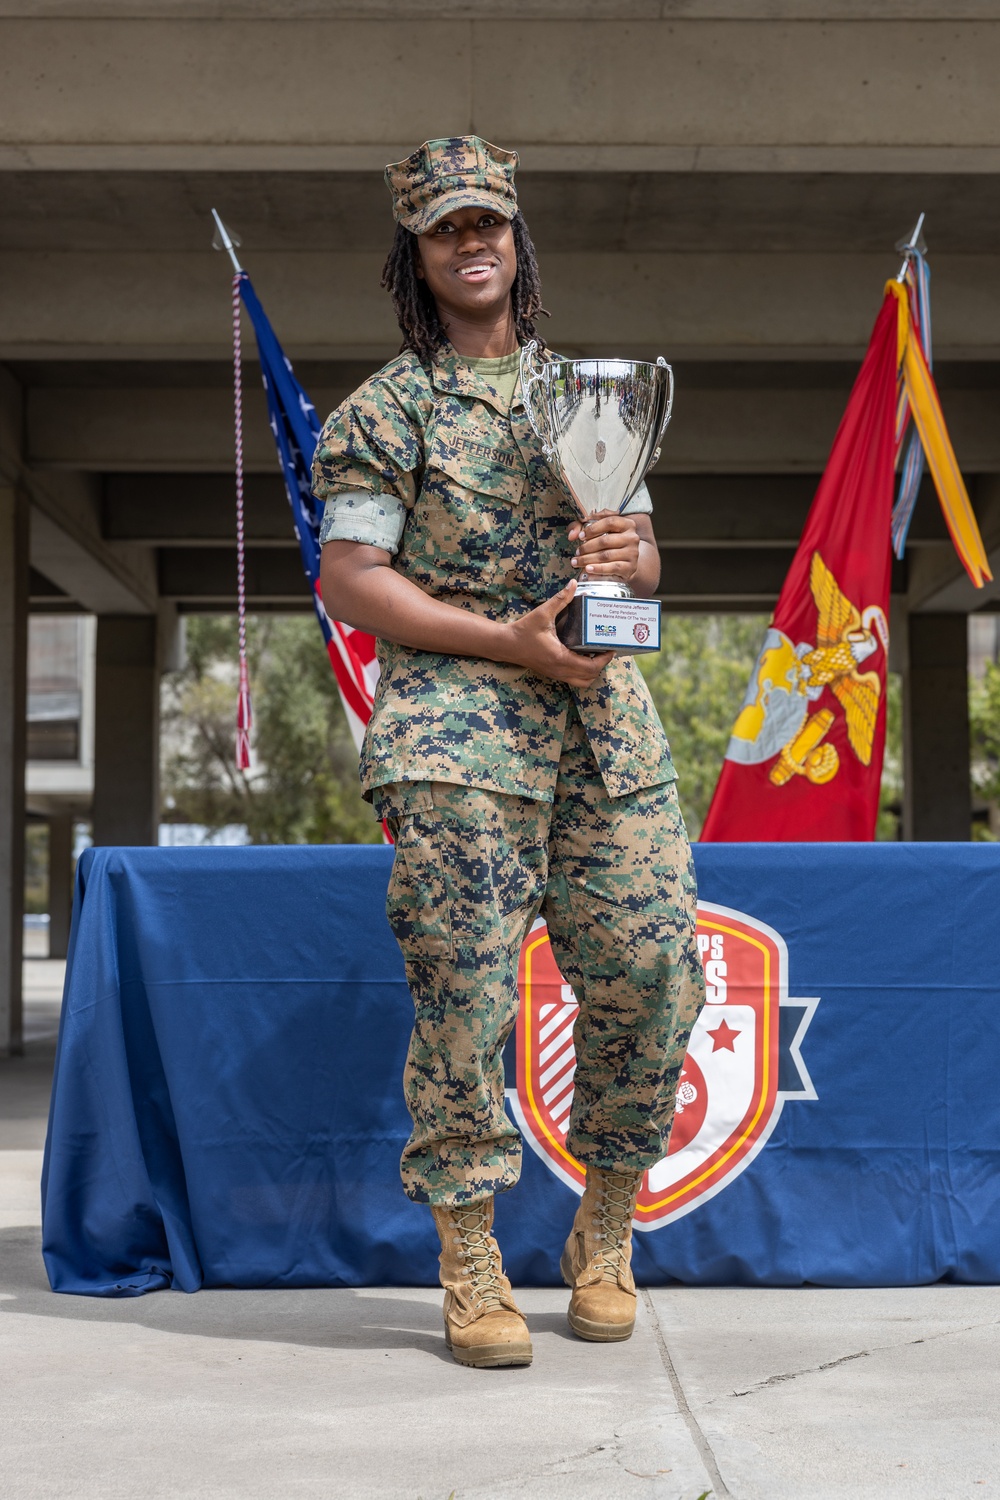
[(615, 1207), (479, 1255)]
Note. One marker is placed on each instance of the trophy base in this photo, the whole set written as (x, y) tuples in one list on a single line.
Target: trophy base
[(595, 622)]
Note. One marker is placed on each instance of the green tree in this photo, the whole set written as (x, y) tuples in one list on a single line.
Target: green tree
[(304, 786), (36, 867), (890, 813), (984, 724)]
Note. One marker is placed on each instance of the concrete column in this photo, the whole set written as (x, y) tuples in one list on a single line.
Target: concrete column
[(13, 731), (937, 802), (126, 731), (60, 883)]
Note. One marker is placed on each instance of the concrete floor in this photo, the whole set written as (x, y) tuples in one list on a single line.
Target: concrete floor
[(760, 1395)]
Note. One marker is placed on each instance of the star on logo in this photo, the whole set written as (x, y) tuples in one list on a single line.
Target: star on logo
[(723, 1038)]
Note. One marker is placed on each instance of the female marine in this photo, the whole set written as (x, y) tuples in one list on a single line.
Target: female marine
[(517, 776)]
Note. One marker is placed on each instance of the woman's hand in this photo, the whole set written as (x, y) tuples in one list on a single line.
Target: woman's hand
[(608, 545), (361, 587), (531, 642)]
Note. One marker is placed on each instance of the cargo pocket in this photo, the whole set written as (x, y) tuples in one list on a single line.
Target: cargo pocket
[(417, 900)]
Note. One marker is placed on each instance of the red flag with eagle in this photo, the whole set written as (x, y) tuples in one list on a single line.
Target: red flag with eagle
[(805, 756), (804, 760)]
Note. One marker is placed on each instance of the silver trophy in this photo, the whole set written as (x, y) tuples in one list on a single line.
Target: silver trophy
[(600, 423)]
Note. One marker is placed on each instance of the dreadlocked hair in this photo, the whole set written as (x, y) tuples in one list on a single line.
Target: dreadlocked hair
[(415, 308)]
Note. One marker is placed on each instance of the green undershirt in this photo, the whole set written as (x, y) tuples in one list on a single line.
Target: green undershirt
[(500, 373)]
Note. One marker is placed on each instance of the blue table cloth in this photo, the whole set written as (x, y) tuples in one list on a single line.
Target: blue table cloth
[(227, 1106)]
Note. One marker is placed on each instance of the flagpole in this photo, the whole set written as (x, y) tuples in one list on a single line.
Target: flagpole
[(908, 248), (223, 240), (228, 241)]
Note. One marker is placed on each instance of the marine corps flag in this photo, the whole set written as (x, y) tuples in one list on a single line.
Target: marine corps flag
[(804, 760)]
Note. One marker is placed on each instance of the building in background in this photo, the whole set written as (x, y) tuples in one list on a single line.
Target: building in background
[(60, 739), (59, 778)]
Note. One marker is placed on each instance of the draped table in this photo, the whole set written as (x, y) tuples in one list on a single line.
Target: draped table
[(227, 1106)]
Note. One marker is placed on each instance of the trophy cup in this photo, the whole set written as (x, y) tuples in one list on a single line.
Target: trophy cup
[(600, 423)]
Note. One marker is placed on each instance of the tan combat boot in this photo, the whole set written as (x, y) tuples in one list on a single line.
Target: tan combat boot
[(482, 1323), (597, 1257)]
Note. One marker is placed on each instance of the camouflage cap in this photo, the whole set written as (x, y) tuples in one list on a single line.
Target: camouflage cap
[(461, 171)]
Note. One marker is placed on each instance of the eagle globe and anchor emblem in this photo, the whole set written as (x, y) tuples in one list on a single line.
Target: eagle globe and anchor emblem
[(775, 718)]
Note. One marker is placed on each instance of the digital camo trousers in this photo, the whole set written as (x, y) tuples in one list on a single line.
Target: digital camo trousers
[(614, 880)]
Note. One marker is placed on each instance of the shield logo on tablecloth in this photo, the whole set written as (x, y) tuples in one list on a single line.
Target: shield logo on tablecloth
[(743, 1063)]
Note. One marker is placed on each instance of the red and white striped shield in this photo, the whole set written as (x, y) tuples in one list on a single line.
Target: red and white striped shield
[(741, 1066)]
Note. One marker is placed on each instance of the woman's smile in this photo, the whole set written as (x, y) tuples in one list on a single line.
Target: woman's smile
[(478, 271)]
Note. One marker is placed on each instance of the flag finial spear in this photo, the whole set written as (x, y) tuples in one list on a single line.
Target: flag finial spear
[(223, 240), (916, 244)]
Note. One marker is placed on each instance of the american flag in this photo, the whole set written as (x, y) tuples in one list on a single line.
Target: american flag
[(296, 430)]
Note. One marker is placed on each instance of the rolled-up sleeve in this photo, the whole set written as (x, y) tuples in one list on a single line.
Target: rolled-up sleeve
[(639, 502), (360, 516)]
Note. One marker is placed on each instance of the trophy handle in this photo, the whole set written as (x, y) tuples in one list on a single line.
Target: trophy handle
[(535, 404), (667, 412)]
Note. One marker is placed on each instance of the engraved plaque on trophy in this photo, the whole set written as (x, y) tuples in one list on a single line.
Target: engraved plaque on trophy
[(600, 423)]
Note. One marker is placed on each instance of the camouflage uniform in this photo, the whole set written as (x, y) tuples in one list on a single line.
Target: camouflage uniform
[(509, 793)]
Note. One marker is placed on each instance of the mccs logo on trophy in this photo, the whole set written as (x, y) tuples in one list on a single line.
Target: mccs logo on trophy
[(600, 423)]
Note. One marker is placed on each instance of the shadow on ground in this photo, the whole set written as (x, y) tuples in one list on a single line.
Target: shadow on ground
[(311, 1317)]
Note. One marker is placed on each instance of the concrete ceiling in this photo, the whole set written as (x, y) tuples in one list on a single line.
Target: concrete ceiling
[(568, 212), (722, 181)]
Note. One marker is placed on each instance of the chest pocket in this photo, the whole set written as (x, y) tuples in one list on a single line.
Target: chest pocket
[(469, 525)]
